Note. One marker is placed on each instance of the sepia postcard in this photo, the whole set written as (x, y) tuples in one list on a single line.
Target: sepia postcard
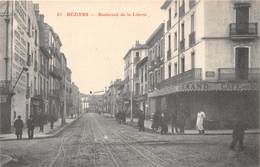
[(129, 83)]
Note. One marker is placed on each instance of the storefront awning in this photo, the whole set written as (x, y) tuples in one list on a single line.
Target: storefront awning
[(206, 86)]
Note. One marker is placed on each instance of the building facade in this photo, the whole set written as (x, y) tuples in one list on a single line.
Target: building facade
[(18, 60), (155, 63), (132, 57), (211, 61)]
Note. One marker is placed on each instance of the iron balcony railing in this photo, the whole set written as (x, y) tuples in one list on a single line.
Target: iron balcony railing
[(182, 44), (190, 75), (243, 29), (233, 74), (169, 24), (192, 39)]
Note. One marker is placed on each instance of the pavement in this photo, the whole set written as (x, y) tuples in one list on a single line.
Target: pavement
[(148, 124), (48, 132)]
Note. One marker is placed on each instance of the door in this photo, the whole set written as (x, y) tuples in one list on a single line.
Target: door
[(242, 19), (242, 60)]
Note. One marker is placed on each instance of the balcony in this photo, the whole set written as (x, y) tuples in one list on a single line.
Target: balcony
[(169, 24), (182, 45), (191, 75), (182, 10), (192, 3), (243, 31), (192, 39), (169, 54), (55, 72), (232, 74)]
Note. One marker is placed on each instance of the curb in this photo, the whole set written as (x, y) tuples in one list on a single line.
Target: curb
[(149, 130), (53, 133)]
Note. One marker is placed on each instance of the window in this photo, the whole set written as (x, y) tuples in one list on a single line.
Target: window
[(192, 59), (175, 5), (182, 64), (170, 13), (175, 41), (182, 31), (175, 69), (29, 27), (169, 42), (36, 38), (242, 17), (192, 23), (169, 71), (137, 54)]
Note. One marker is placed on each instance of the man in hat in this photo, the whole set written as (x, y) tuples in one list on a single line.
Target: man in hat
[(18, 125), (30, 126)]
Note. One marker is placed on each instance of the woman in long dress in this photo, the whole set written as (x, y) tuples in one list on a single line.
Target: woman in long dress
[(201, 116)]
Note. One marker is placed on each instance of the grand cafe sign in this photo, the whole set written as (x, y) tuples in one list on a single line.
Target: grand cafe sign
[(207, 86)]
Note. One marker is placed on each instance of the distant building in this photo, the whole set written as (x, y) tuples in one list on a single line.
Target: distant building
[(212, 60), (135, 54)]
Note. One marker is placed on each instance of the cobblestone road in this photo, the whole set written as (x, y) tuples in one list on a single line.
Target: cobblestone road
[(95, 140)]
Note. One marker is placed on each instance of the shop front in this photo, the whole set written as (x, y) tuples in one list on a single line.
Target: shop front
[(223, 102)]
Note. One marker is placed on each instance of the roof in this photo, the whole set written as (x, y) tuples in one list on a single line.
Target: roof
[(138, 47), (156, 31), (166, 4)]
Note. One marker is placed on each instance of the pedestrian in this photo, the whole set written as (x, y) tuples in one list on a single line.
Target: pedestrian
[(164, 125), (201, 116), (174, 123), (238, 134), (52, 121), (156, 120), (30, 126), (182, 118), (41, 121), (18, 125), (141, 120)]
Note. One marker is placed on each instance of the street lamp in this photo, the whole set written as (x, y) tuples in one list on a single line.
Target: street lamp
[(24, 69)]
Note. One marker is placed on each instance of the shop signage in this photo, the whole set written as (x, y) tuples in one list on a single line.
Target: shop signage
[(207, 86)]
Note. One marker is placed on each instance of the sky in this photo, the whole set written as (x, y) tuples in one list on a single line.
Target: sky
[(95, 45)]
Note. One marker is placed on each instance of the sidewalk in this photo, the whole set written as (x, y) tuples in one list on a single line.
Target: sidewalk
[(48, 132), (148, 124)]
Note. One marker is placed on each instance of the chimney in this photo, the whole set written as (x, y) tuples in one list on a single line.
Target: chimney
[(137, 43), (41, 18)]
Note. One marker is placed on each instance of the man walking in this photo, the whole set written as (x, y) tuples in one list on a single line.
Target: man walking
[(30, 126), (18, 125), (174, 122), (201, 116), (141, 120), (238, 134)]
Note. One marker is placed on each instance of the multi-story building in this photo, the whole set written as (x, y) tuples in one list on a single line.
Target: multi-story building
[(141, 84), (113, 97), (135, 54), (18, 60), (155, 63), (211, 60), (69, 100), (42, 67), (75, 94)]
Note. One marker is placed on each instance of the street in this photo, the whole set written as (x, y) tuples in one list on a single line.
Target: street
[(97, 140)]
